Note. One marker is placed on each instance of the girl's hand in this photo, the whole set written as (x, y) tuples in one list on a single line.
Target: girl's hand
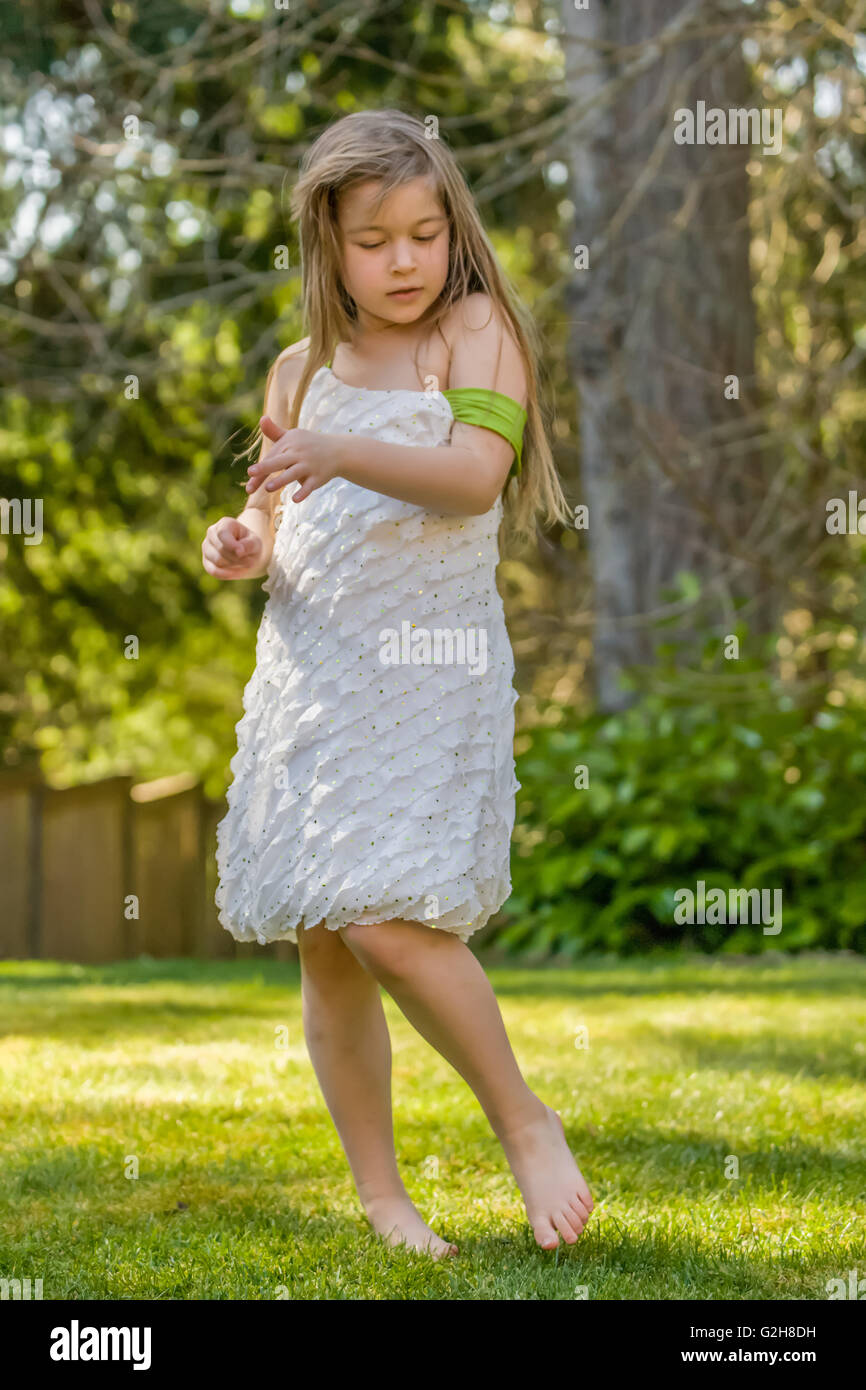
[(230, 550), (298, 456)]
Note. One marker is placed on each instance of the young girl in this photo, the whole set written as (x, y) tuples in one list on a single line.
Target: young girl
[(373, 795)]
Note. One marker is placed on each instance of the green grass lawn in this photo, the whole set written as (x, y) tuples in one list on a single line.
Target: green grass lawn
[(242, 1190)]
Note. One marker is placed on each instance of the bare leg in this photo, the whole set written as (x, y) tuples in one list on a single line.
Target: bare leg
[(443, 991), (350, 1049)]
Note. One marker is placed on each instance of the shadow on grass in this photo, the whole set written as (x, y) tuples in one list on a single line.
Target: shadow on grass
[(255, 1239), (819, 1056), (614, 1260), (668, 973), (694, 975), (271, 974), (693, 1161), (85, 1023), (83, 1020)]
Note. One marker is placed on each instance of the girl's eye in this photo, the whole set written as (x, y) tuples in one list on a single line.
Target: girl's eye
[(373, 245)]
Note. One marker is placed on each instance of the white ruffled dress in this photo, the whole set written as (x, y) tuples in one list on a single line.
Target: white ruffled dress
[(374, 776)]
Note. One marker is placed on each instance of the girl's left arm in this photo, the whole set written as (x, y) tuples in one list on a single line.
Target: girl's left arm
[(463, 479), (456, 481)]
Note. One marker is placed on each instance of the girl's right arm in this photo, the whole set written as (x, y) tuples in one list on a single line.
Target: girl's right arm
[(241, 547)]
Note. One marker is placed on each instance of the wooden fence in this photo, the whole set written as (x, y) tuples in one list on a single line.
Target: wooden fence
[(112, 870)]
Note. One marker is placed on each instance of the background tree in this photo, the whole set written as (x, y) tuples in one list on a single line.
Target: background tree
[(149, 151), (662, 329)]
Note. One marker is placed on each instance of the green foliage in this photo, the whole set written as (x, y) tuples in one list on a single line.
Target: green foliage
[(138, 339), (673, 795)]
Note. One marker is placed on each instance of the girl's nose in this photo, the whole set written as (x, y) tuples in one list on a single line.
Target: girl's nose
[(404, 258)]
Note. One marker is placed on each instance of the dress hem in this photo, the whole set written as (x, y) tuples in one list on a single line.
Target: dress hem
[(464, 932)]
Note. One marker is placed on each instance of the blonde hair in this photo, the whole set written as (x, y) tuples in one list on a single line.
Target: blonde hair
[(393, 147)]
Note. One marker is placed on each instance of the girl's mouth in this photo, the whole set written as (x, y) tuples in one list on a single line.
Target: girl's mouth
[(404, 294)]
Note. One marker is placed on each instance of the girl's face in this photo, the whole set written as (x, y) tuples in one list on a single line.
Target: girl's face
[(394, 257)]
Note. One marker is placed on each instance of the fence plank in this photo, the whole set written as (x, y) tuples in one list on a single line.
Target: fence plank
[(84, 877), (217, 943), (111, 870), (167, 866), (19, 862)]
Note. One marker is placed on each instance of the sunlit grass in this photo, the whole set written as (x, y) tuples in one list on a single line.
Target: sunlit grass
[(195, 1077)]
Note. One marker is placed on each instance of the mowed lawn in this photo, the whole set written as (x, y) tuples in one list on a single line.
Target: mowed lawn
[(163, 1135)]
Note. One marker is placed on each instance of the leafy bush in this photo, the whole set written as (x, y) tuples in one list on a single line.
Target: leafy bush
[(680, 794)]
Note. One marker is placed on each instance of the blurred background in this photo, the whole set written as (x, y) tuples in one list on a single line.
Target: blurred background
[(689, 654)]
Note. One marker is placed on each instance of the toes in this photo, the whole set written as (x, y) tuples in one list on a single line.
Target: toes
[(437, 1247), (444, 1254), (568, 1225), (583, 1192), (580, 1211), (545, 1235)]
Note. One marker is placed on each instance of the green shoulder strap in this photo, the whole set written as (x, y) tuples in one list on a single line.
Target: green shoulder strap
[(478, 405)]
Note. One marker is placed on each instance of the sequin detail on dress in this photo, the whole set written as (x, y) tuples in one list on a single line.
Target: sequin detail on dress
[(365, 791)]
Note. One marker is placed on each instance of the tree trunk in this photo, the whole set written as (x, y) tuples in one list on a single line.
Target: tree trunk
[(659, 320)]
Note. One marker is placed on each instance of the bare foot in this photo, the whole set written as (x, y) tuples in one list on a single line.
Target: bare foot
[(553, 1188), (400, 1223)]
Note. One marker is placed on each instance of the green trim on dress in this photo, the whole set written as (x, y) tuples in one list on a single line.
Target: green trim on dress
[(490, 410)]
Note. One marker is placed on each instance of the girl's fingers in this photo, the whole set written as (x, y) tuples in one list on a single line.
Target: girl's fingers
[(281, 480), (275, 458), (226, 555), (224, 538), (223, 567), (264, 468), (218, 555), (267, 459), (219, 543), (257, 479), (218, 571), (266, 465), (219, 562), (270, 429)]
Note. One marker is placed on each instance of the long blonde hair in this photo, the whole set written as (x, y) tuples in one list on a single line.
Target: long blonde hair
[(393, 147)]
